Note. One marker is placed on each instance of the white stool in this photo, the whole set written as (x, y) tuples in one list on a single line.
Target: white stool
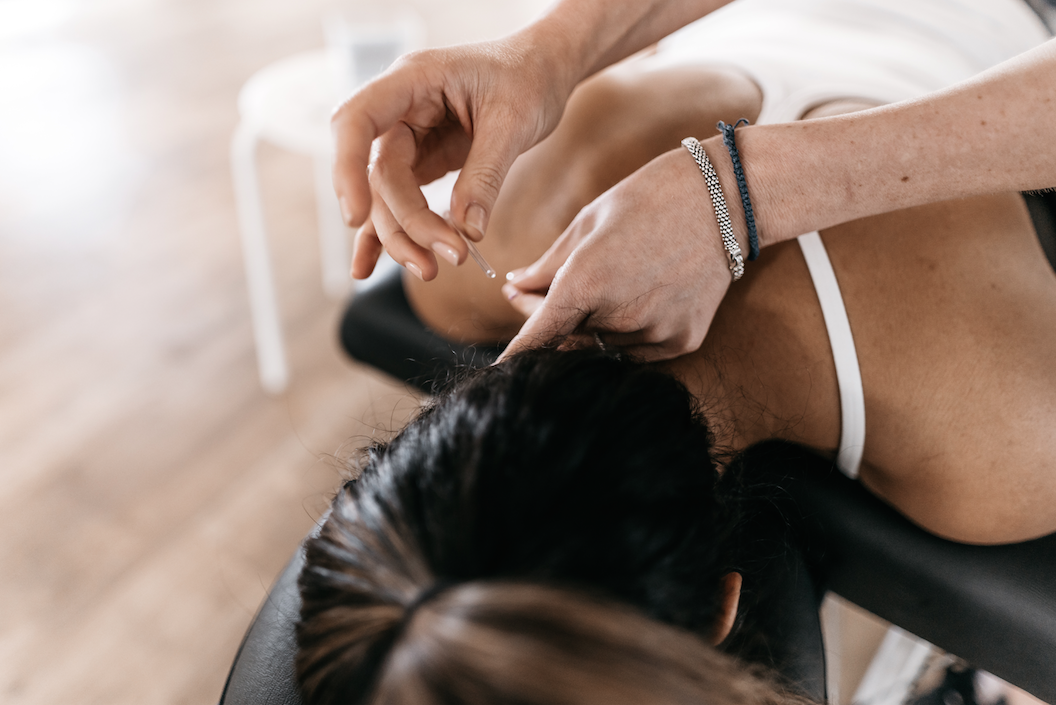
[(287, 103)]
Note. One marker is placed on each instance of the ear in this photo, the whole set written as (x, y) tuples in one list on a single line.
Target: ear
[(731, 595)]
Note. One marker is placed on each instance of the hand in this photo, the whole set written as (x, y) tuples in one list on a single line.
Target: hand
[(474, 107), (643, 266)]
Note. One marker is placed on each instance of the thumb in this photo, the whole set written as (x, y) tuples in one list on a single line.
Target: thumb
[(539, 275), (524, 303), (549, 322), (477, 187)]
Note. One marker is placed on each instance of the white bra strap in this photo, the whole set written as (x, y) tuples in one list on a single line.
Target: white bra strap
[(848, 374)]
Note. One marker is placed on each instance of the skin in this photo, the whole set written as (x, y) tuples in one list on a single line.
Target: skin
[(479, 106), (731, 597), (950, 304), (475, 107), (591, 151), (806, 176)]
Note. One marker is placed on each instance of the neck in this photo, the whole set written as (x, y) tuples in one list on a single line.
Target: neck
[(765, 369)]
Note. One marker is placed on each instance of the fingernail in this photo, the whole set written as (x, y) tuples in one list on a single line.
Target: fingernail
[(446, 251), (510, 291), (415, 270), (519, 275), (346, 211), (476, 221)]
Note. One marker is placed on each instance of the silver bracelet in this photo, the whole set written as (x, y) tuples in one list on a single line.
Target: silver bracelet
[(722, 214)]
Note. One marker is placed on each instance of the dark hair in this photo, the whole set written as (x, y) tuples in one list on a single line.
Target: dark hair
[(571, 471)]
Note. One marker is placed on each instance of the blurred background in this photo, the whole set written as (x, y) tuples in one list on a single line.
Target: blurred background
[(150, 490)]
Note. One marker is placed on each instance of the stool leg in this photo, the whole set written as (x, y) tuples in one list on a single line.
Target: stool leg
[(896, 666), (832, 633), (333, 234), (267, 327)]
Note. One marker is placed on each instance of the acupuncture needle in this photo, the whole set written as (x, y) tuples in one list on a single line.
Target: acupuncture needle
[(473, 251), (478, 258)]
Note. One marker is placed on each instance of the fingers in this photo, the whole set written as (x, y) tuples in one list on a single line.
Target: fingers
[(527, 304), (549, 317), (523, 303), (651, 343), (547, 322), (539, 275), (536, 277), (617, 327), (370, 112), (392, 178), (366, 249), (493, 151), (405, 251)]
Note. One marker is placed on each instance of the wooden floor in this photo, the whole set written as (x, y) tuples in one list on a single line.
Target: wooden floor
[(149, 490)]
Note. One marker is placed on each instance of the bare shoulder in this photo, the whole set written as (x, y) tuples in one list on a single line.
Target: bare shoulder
[(953, 311), (953, 308)]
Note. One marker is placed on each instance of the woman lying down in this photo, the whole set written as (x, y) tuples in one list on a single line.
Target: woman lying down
[(557, 529)]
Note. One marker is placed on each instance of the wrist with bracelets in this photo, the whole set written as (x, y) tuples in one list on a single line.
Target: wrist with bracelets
[(718, 200)]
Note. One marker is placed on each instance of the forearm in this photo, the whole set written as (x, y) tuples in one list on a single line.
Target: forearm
[(993, 133), (585, 36)]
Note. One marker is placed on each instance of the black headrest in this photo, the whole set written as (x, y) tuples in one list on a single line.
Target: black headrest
[(263, 671)]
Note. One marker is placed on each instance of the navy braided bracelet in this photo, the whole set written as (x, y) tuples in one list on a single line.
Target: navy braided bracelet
[(730, 141)]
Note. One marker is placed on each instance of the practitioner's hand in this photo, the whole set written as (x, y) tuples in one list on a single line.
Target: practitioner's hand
[(643, 266), (474, 107)]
